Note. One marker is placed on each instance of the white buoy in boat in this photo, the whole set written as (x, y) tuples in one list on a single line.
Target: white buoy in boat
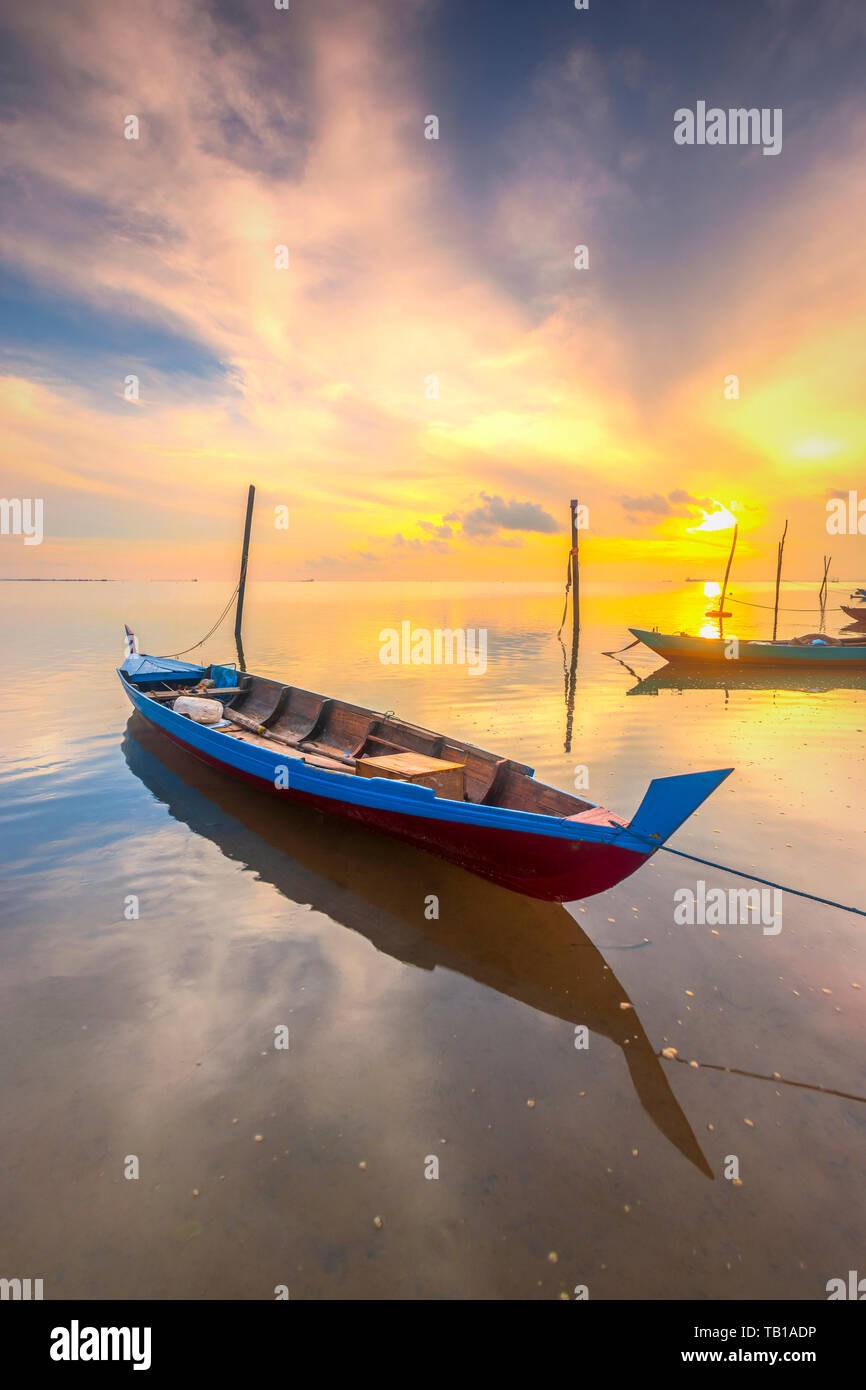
[(200, 711)]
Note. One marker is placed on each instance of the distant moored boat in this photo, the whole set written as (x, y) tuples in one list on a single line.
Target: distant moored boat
[(812, 650)]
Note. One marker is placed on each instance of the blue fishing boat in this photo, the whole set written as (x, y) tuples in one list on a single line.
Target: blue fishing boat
[(469, 806)]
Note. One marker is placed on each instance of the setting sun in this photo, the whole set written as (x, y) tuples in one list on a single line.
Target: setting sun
[(719, 519)]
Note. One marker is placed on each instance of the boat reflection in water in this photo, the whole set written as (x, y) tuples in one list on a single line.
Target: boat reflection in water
[(684, 676), (529, 950)]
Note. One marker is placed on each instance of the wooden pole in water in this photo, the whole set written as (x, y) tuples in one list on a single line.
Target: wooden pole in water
[(822, 592), (242, 582), (575, 580), (778, 580), (728, 569), (571, 673)]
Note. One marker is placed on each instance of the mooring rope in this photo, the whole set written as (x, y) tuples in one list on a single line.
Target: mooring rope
[(760, 1076), (220, 619), (743, 873), (816, 609), (567, 587), (623, 649)]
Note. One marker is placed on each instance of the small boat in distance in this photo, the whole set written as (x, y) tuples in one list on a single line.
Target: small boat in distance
[(487, 814), (812, 650)]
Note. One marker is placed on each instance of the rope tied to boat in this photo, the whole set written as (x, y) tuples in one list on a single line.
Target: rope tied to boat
[(635, 643), (743, 873), (219, 620)]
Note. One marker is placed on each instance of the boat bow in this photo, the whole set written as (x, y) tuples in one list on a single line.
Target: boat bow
[(669, 801)]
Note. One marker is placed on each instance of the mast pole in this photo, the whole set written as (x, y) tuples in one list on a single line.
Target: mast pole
[(242, 582), (575, 573), (728, 569), (778, 580)]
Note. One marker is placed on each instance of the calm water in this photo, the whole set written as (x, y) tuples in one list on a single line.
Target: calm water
[(411, 1038)]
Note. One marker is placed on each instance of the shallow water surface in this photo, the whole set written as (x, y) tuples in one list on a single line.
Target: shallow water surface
[(413, 1039)]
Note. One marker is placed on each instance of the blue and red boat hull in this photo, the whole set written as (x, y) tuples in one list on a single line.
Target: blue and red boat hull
[(557, 859), (545, 868)]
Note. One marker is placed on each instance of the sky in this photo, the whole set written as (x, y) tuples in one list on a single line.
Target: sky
[(282, 280)]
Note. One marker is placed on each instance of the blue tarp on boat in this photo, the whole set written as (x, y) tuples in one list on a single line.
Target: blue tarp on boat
[(149, 670)]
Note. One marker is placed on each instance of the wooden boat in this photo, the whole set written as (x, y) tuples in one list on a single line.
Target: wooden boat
[(325, 754), (524, 950), (858, 614), (812, 650)]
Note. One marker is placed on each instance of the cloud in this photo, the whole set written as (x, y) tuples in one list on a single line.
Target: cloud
[(495, 514), (680, 495), (435, 542), (343, 566), (304, 128), (655, 504)]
